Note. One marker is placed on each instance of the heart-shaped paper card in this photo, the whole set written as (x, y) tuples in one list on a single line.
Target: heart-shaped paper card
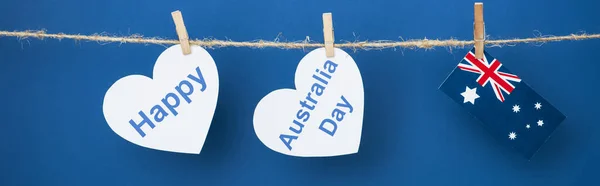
[(171, 111), (323, 116)]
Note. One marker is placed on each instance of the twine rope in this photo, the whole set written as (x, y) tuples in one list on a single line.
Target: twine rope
[(307, 43)]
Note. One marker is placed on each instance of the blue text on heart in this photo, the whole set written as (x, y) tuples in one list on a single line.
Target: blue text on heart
[(170, 101)]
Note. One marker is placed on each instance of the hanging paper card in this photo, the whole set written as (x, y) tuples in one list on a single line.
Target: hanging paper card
[(171, 111), (322, 116), (508, 108)]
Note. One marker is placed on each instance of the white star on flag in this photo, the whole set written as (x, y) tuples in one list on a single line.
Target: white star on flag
[(516, 108), (470, 95), (512, 136), (538, 106)]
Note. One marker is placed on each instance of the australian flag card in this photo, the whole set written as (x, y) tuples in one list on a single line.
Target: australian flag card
[(506, 106)]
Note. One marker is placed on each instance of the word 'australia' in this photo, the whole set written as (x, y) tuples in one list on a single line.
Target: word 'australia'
[(309, 103), (171, 101)]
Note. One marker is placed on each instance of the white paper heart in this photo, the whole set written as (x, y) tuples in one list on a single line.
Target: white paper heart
[(284, 121), (179, 101)]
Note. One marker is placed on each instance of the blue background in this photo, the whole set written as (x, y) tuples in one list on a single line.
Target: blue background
[(53, 132)]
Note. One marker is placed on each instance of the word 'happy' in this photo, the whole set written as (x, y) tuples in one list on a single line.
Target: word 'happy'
[(328, 126), (171, 101)]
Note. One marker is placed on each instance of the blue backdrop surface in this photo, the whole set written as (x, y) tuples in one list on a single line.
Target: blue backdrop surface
[(53, 131)]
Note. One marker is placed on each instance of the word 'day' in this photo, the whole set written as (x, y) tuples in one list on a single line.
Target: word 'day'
[(322, 116), (173, 110)]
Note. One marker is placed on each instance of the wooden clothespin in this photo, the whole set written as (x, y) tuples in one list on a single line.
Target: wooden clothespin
[(181, 32), (479, 31), (328, 34)]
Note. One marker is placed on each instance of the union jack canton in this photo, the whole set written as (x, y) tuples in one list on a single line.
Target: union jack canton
[(510, 110)]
